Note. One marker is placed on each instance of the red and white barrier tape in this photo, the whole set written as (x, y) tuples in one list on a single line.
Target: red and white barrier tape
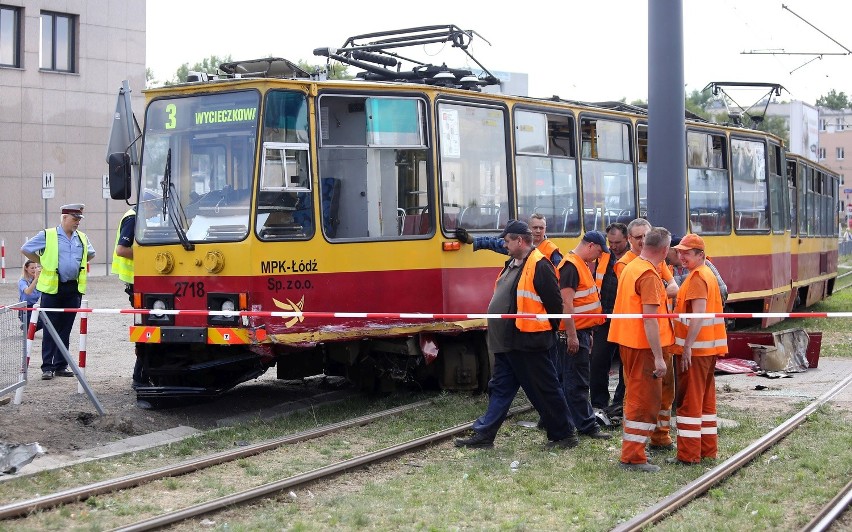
[(3, 260), (446, 316), (81, 361)]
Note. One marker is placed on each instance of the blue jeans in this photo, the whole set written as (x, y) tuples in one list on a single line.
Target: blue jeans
[(535, 373)]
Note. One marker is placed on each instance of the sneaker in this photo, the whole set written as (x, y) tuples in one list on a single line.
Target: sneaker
[(64, 373), (564, 443), (662, 448), (477, 441), (46, 375), (675, 460), (597, 435), (646, 467)]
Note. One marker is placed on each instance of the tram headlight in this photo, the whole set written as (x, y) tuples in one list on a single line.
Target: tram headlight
[(223, 302), (158, 305), (155, 303)]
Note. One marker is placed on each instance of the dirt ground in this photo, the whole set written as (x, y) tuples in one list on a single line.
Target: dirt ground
[(53, 414)]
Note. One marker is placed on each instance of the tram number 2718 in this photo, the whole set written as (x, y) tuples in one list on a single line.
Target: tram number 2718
[(191, 289)]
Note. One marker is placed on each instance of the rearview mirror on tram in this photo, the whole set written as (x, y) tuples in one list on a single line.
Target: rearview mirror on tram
[(119, 175)]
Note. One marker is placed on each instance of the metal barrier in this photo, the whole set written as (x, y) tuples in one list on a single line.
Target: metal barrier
[(13, 348), (845, 247)]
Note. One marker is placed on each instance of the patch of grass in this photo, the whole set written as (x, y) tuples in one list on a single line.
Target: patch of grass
[(478, 489)]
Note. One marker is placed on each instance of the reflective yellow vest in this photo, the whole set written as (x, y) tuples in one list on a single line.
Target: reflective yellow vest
[(122, 266), (586, 298), (712, 338), (48, 280), (631, 332)]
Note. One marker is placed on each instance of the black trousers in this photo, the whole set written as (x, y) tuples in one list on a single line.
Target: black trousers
[(603, 355), (66, 297)]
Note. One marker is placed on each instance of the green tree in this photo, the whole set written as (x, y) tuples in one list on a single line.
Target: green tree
[(833, 100), (337, 70), (208, 64), (696, 101), (777, 125)]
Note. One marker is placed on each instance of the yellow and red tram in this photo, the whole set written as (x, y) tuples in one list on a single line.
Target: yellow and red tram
[(282, 192)]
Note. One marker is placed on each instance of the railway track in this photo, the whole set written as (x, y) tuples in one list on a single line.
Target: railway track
[(701, 485), (297, 480), (82, 493), (653, 515)]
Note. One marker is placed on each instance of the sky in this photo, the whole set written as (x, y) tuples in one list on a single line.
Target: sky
[(579, 50)]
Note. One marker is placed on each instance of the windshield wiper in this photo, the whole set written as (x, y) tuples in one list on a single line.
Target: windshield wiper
[(169, 194)]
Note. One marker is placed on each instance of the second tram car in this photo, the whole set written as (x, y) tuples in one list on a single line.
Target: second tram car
[(280, 192)]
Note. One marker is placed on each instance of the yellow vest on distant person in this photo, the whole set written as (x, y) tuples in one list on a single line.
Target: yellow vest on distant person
[(48, 280), (122, 266)]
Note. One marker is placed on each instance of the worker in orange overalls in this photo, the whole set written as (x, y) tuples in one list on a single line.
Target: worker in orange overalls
[(698, 341), (641, 291), (661, 439)]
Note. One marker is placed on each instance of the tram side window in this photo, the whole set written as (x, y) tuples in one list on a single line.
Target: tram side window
[(803, 174), (792, 220), (545, 165), (642, 168), (607, 173), (474, 178), (777, 194), (285, 197), (751, 209), (373, 168), (709, 203)]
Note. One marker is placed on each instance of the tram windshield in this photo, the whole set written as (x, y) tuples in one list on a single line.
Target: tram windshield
[(197, 164)]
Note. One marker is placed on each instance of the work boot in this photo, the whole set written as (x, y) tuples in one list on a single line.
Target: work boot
[(477, 441), (661, 448), (675, 460), (46, 375), (645, 467), (597, 434), (64, 373), (565, 443)]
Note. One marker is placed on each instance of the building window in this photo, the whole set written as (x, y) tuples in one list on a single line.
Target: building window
[(822, 124), (839, 123), (58, 42), (840, 154), (821, 154), (10, 36)]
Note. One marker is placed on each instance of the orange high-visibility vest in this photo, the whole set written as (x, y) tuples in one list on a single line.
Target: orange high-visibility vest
[(625, 259), (528, 301), (712, 338), (547, 248), (586, 298), (603, 262), (631, 332)]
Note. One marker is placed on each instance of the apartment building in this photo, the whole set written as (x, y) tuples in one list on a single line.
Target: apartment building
[(835, 145), (61, 65)]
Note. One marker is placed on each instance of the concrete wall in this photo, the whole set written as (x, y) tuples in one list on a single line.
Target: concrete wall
[(59, 122)]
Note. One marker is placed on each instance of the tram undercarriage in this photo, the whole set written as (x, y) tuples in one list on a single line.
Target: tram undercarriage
[(380, 365)]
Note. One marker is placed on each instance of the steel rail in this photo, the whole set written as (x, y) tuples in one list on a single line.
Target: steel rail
[(296, 480), (831, 511), (703, 483), (84, 492)]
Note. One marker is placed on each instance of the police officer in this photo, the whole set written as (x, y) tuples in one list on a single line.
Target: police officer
[(63, 252)]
